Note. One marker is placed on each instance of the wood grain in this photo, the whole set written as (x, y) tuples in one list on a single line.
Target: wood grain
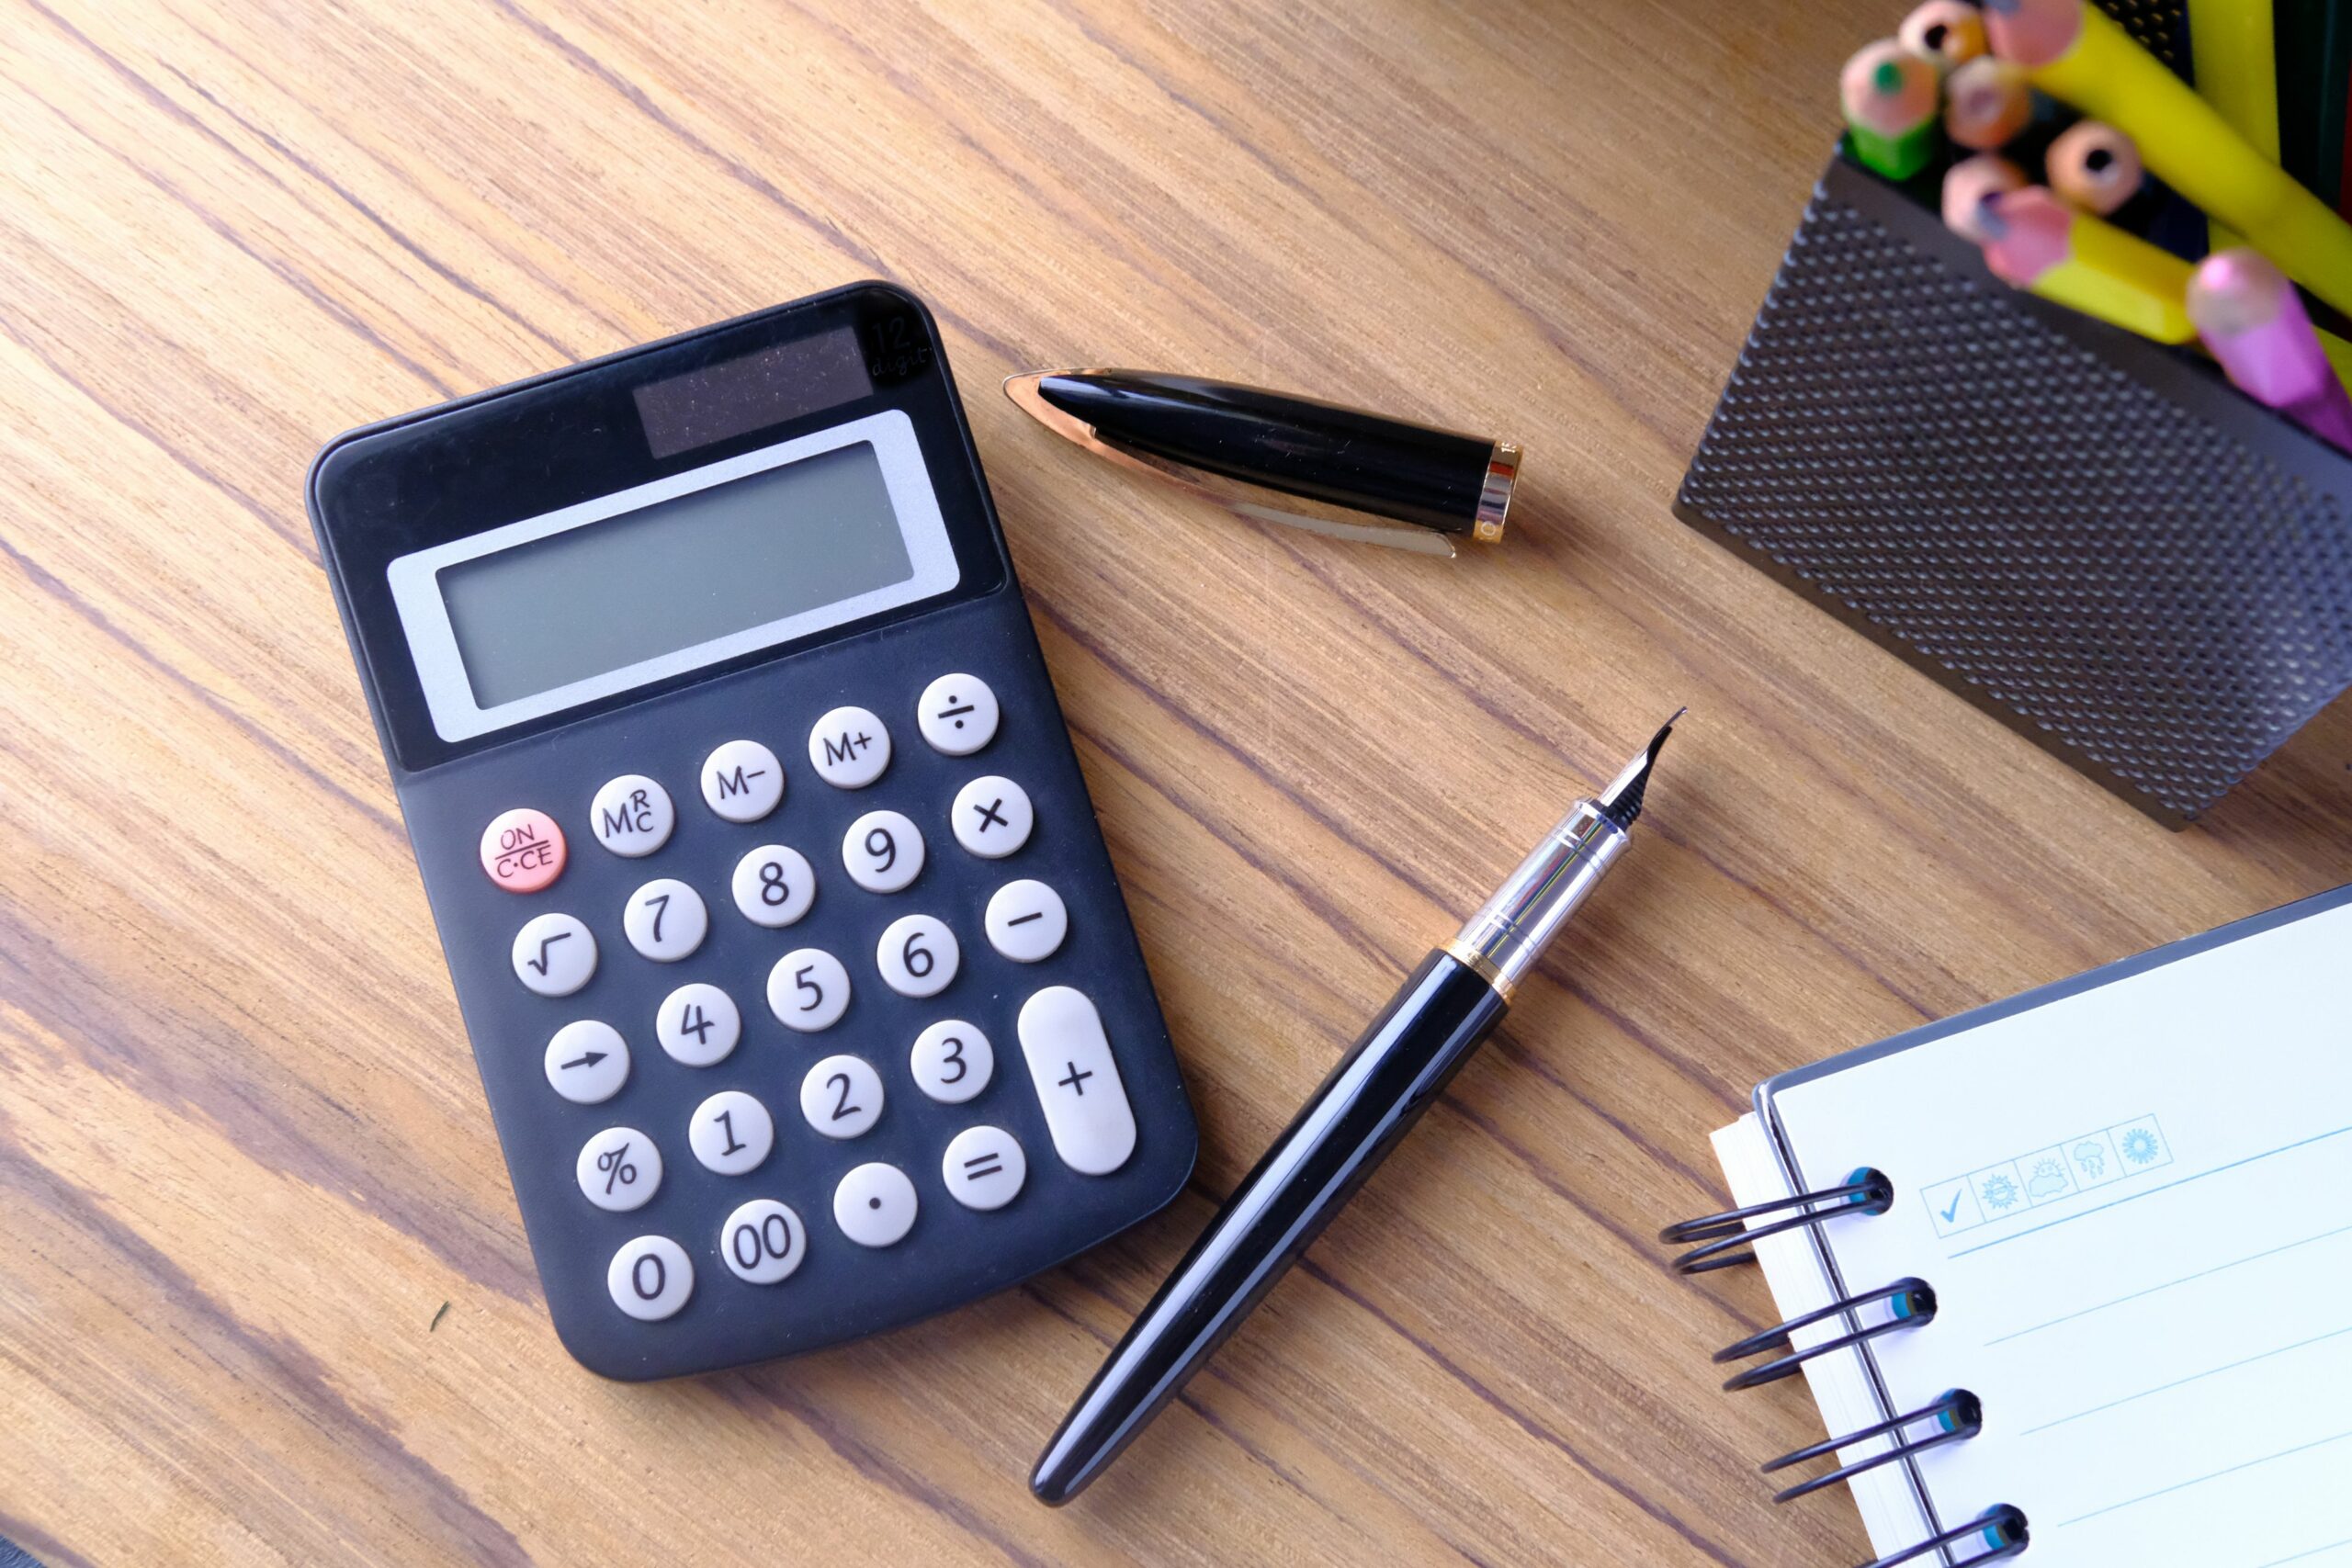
[(244, 1156)]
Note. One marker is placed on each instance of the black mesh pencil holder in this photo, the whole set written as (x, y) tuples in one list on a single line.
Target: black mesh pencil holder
[(2091, 536), (1852, 1322)]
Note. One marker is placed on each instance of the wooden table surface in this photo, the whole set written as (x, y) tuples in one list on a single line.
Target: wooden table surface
[(245, 1160)]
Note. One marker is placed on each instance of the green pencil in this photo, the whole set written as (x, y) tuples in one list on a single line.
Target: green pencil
[(1890, 98)]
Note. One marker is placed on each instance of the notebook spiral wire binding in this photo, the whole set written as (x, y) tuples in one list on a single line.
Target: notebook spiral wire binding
[(1725, 1236), (1954, 1417)]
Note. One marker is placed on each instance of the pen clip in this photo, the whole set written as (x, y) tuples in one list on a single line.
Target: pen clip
[(1259, 502)]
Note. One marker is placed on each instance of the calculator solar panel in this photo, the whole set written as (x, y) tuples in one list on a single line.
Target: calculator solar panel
[(796, 970)]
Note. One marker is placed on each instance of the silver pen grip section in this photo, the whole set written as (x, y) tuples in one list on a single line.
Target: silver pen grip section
[(1503, 940)]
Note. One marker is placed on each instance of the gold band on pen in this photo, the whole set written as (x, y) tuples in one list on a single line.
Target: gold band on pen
[(1494, 496), (1462, 952)]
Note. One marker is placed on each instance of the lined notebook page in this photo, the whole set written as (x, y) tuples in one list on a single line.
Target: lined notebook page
[(2134, 1202)]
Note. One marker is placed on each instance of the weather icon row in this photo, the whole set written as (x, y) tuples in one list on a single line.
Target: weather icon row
[(2047, 1175)]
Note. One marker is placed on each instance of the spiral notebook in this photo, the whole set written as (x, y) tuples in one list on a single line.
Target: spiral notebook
[(2125, 1201)]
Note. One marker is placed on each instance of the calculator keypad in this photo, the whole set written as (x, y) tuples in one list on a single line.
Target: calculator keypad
[(763, 1242), (632, 816), (699, 1025), (743, 780), (619, 1169), (666, 920), (650, 1277), (957, 715), (807, 990), (984, 1167), (1026, 922), (773, 886), (952, 1061), (587, 1062), (875, 1205), (883, 852), (523, 850), (732, 1132), (555, 954), (1071, 1067), (848, 748), (842, 1097), (918, 955), (992, 816)]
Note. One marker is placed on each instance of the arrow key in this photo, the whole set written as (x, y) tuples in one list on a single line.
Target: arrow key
[(587, 1062)]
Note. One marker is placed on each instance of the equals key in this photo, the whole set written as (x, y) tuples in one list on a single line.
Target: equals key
[(984, 1167)]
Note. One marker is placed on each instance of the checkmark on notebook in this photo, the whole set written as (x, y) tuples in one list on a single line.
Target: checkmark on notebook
[(1952, 1212)]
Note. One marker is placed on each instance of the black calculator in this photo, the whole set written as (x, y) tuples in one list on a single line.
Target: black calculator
[(800, 985)]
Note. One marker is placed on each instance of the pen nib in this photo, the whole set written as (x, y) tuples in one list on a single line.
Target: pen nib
[(1622, 801)]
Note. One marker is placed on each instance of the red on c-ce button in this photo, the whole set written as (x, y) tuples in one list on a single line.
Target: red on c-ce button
[(522, 849)]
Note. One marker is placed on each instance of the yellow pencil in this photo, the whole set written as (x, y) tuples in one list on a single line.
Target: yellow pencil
[(2037, 242), (2075, 53), (2234, 55)]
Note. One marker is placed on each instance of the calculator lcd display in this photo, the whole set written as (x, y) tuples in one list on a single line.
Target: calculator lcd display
[(673, 574), (546, 614)]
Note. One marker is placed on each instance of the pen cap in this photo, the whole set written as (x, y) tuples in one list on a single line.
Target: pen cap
[(1415, 473)]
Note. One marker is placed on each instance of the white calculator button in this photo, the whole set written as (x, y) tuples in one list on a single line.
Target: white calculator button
[(848, 748), (984, 1167), (731, 1133), (883, 852), (665, 919), (632, 816), (1077, 1081), (650, 1277), (587, 1062), (554, 955), (991, 817), (952, 1061), (743, 780), (874, 1205), (697, 1025), (917, 955), (1027, 920), (842, 1097), (619, 1169), (774, 885), (762, 1242), (957, 715), (807, 990)]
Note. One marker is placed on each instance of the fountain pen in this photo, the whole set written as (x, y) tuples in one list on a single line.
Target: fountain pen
[(1441, 1014)]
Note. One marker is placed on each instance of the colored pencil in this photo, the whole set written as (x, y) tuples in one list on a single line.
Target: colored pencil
[(1986, 103), (2235, 58), (2071, 258), (2250, 317), (1972, 188), (2078, 54), (2094, 166), (1949, 32), (1889, 95)]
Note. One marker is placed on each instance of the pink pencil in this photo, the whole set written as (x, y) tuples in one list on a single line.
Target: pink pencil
[(2250, 316)]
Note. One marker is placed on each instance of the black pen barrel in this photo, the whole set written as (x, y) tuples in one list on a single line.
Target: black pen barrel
[(1370, 1100), (1391, 467)]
